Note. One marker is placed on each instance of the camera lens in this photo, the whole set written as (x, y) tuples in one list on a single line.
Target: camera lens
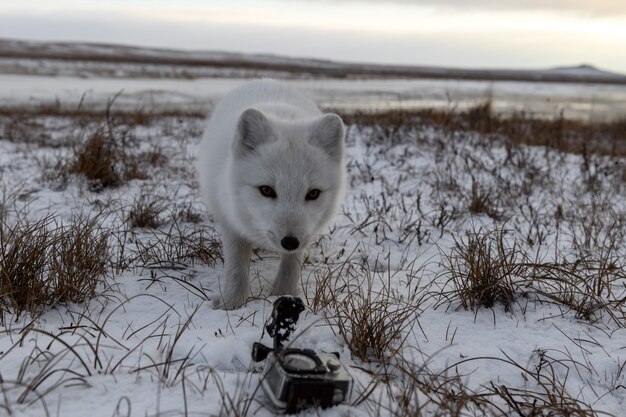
[(299, 361)]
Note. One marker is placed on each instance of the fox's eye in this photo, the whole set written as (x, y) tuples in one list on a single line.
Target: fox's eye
[(312, 194), (267, 191)]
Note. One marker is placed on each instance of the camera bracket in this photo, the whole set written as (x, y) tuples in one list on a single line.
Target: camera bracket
[(283, 322), (284, 319)]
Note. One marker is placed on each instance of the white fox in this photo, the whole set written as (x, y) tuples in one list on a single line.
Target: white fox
[(271, 171)]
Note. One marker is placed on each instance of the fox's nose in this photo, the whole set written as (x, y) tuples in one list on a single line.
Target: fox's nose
[(290, 243)]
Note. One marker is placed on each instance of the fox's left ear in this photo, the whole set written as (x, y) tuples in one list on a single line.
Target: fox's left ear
[(328, 134)]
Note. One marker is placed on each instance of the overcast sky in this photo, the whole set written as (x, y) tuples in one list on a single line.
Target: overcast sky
[(459, 33)]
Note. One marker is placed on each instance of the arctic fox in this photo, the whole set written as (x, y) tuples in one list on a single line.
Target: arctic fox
[(271, 172)]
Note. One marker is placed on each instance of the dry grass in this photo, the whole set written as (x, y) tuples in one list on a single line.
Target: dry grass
[(365, 301), (482, 202), (177, 247), (105, 151), (586, 287), (45, 263), (423, 392), (547, 394), (489, 268), (24, 129), (140, 116), (146, 211), (100, 160), (373, 322), (107, 159), (42, 372), (371, 316), (481, 269), (566, 135)]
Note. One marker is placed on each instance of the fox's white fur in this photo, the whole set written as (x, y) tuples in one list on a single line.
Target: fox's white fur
[(266, 134)]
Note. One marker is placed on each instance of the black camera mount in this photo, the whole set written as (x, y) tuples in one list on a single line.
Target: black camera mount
[(283, 322)]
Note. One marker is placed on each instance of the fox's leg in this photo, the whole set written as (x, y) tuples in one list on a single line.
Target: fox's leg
[(235, 288), (288, 276)]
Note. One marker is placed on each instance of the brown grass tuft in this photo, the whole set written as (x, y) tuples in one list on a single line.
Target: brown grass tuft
[(178, 247), (44, 263), (482, 202), (146, 211), (486, 269), (371, 317), (99, 159), (480, 270)]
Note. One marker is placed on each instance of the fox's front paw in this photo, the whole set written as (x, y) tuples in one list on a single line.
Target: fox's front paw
[(229, 301)]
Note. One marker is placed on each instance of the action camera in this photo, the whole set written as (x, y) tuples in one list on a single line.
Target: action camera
[(294, 379)]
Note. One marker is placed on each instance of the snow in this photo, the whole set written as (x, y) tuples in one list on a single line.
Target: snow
[(66, 74), (582, 101), (110, 356), (120, 368)]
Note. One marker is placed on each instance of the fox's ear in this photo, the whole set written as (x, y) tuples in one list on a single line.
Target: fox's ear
[(328, 134), (253, 129)]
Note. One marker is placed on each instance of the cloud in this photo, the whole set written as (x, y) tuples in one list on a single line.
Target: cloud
[(596, 8), (536, 49), (350, 30)]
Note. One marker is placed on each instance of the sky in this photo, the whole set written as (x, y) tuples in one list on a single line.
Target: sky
[(452, 33)]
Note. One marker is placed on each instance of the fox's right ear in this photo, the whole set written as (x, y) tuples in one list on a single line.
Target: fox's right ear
[(253, 130), (328, 134)]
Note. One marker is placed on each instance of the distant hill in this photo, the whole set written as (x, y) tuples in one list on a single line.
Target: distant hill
[(586, 70), (90, 59)]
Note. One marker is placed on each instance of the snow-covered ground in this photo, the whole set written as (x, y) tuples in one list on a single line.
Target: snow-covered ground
[(150, 343), (581, 101), (67, 74), (427, 209)]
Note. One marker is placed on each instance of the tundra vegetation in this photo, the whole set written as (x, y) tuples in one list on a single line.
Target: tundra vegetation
[(477, 268)]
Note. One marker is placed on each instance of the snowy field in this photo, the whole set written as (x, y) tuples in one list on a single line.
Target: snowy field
[(477, 266), (596, 102), (73, 74), (467, 274)]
